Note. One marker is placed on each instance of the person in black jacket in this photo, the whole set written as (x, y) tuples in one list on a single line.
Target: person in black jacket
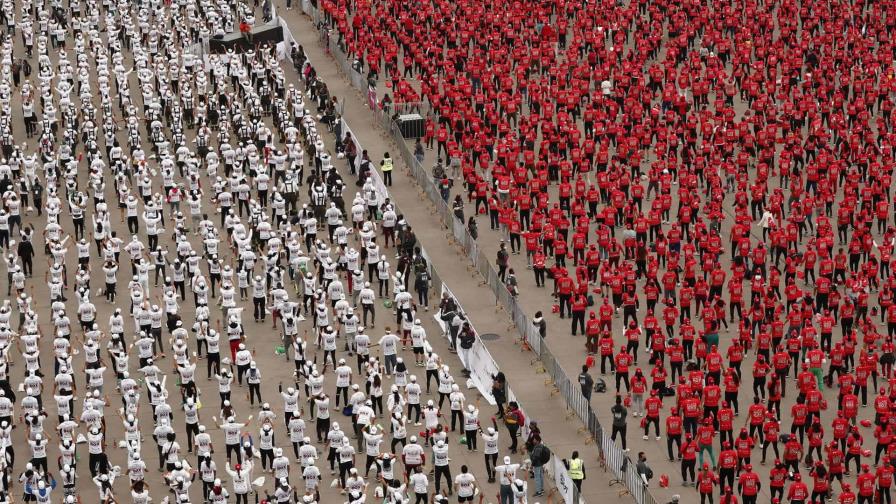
[(25, 250), (586, 382), (466, 340), (540, 455), (620, 414)]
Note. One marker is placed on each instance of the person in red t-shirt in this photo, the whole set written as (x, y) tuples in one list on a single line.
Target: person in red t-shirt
[(756, 414), (706, 483), (847, 496), (728, 496), (727, 464), (749, 485), (793, 453), (854, 448), (674, 427), (885, 481), (798, 492), (653, 406), (778, 477), (706, 433), (820, 482), (622, 360), (688, 459), (866, 483), (771, 429)]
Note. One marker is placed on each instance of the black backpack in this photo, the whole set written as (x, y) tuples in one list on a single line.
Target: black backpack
[(544, 455)]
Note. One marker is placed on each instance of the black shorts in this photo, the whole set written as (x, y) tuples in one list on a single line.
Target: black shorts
[(418, 350), (464, 499)]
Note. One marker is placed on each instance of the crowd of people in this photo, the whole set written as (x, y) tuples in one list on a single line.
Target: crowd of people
[(224, 175), (703, 190)]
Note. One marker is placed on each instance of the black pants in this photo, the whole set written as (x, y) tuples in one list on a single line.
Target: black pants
[(414, 412), (267, 457), (673, 439), (621, 430), (323, 426), (99, 463), (603, 364), (578, 319), (234, 448), (440, 471), (365, 309), (259, 305), (656, 425), (470, 435), (491, 459), (457, 417), (687, 468), (254, 391), (213, 360), (512, 430), (539, 277), (622, 377)]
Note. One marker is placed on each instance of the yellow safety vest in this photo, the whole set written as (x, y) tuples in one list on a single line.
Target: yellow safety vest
[(575, 469), (387, 165)]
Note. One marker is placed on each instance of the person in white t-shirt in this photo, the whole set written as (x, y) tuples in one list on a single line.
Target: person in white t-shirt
[(506, 473), (412, 456), (465, 485), (419, 483), (520, 492), (389, 343)]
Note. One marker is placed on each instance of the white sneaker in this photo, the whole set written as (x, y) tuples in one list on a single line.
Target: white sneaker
[(644, 438), (659, 437)]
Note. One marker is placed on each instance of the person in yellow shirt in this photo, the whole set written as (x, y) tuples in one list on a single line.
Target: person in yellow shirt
[(386, 166), (576, 468)]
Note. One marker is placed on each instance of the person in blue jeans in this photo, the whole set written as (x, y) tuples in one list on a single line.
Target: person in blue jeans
[(540, 455)]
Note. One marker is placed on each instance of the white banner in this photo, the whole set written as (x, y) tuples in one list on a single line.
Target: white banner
[(563, 482), (284, 48), (478, 359)]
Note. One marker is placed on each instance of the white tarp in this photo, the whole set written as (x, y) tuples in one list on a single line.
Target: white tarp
[(563, 482)]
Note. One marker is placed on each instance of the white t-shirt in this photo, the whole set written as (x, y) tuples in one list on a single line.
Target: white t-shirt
[(506, 473), (389, 343), (419, 482), (466, 484), (413, 454)]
